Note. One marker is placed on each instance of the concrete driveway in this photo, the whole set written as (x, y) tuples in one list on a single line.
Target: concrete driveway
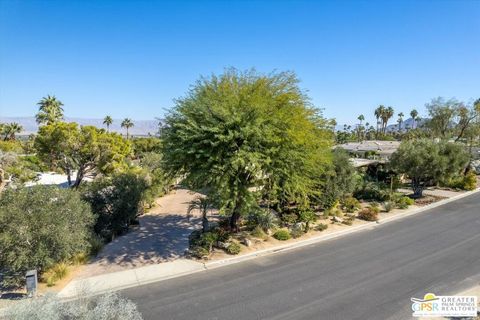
[(161, 236)]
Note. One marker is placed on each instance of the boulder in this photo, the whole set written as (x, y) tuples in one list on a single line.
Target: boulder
[(222, 245), (247, 242), (337, 219)]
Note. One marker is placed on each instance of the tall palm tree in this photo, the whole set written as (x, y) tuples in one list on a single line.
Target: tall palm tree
[(127, 123), (50, 110), (414, 114), (400, 121), (107, 121), (379, 115), (360, 118), (387, 115), (10, 130)]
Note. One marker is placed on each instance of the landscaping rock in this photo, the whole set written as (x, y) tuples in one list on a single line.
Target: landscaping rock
[(299, 226), (222, 245), (337, 219), (247, 242)]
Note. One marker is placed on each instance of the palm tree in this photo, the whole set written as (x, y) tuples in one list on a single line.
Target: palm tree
[(107, 121), (379, 115), (387, 114), (414, 114), (204, 205), (400, 121), (127, 123), (360, 118), (10, 130), (50, 110)]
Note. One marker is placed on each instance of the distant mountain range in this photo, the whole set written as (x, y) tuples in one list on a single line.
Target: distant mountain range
[(140, 128)]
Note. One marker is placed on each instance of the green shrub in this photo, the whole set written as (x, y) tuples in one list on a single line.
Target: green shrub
[(372, 191), (233, 248), (289, 218), (404, 202), (41, 226), (259, 233), (388, 205), (463, 182), (350, 204), (80, 258), (321, 227), (55, 273), (282, 235), (199, 252), (368, 214), (296, 233), (116, 202), (349, 220), (96, 244), (308, 217), (263, 218)]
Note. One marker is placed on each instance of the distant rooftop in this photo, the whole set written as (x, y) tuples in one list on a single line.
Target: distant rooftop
[(381, 147)]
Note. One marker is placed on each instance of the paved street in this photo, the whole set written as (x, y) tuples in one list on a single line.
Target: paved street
[(366, 275)]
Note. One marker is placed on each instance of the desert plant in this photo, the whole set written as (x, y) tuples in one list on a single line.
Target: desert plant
[(404, 202), (263, 218), (308, 217), (321, 227), (107, 306), (369, 214), (96, 244), (282, 235), (388, 205), (289, 218), (258, 232), (350, 204), (349, 220), (296, 233), (55, 273), (233, 248)]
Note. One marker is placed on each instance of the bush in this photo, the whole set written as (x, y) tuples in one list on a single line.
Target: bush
[(289, 218), (41, 226), (233, 248), (308, 217), (259, 233), (464, 182), (349, 220), (116, 201), (388, 205), (350, 204), (55, 273), (368, 214), (96, 244), (199, 252), (263, 218), (404, 202), (321, 227), (372, 191), (297, 233), (282, 235), (107, 306)]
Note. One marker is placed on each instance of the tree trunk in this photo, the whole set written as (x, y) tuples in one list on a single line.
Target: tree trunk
[(78, 180), (205, 225), (417, 188), (234, 220)]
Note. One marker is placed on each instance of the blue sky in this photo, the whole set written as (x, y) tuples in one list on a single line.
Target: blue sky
[(132, 58)]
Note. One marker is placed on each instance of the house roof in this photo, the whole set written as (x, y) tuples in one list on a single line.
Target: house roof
[(381, 147)]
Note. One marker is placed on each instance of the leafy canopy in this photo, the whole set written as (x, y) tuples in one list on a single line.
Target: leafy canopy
[(40, 227), (427, 162), (87, 149), (243, 135)]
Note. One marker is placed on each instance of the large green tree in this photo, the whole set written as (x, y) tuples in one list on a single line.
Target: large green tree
[(427, 162), (86, 150), (244, 135)]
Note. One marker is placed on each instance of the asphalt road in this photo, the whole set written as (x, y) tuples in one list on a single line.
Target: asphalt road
[(370, 274)]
